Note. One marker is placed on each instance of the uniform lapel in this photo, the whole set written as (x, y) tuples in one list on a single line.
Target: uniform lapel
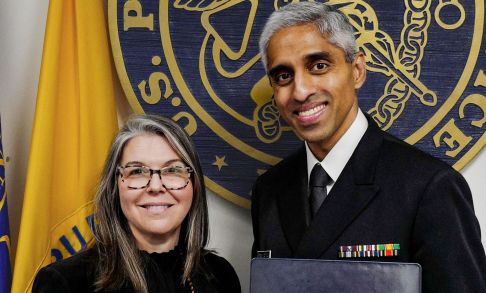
[(352, 192), (292, 200)]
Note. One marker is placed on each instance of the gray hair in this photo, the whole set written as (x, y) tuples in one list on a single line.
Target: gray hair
[(330, 22), (120, 261)]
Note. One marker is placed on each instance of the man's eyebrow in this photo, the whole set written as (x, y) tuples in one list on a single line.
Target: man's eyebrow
[(309, 57), (318, 56), (276, 69)]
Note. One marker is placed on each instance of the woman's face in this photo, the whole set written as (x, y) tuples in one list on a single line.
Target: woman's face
[(154, 213)]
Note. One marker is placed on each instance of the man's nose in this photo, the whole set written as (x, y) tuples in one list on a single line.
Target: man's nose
[(303, 87)]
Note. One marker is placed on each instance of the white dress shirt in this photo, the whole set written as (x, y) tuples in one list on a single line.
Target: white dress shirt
[(339, 155)]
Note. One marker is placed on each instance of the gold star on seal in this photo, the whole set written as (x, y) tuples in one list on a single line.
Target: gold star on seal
[(220, 162)]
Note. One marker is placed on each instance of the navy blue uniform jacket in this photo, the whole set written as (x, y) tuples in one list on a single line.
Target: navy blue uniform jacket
[(388, 192)]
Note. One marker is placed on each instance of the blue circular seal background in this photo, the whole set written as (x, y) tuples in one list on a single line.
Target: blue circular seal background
[(198, 62)]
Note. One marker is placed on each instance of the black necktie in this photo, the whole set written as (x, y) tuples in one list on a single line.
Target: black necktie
[(317, 185)]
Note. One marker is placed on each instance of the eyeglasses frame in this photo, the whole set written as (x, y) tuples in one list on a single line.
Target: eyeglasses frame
[(158, 172)]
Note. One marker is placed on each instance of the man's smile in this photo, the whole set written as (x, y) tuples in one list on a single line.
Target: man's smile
[(310, 113)]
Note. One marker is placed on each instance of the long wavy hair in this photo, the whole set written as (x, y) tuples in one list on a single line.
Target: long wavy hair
[(120, 260)]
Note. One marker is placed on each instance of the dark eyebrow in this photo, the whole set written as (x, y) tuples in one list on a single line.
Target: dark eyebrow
[(276, 69), (309, 57), (318, 56)]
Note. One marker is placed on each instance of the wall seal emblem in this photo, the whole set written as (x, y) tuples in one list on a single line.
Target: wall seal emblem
[(198, 62)]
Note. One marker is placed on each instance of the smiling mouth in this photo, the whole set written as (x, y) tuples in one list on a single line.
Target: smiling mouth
[(308, 115), (311, 111), (156, 208)]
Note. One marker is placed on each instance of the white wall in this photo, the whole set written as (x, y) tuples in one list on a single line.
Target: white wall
[(22, 24)]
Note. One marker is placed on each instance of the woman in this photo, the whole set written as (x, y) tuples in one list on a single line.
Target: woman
[(152, 223)]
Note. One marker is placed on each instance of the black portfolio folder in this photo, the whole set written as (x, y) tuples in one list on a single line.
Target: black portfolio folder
[(280, 275)]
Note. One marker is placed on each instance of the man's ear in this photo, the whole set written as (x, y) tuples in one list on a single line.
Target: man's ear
[(359, 70)]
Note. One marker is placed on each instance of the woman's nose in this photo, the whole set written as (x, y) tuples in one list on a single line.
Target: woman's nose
[(156, 184)]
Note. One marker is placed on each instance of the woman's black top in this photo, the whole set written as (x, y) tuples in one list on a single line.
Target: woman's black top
[(163, 272)]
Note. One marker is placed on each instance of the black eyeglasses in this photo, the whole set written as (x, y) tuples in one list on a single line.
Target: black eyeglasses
[(138, 177)]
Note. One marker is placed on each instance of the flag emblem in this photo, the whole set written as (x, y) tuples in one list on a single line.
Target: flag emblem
[(5, 269)]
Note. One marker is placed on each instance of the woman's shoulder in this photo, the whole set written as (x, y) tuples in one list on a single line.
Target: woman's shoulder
[(74, 274), (216, 261), (223, 274)]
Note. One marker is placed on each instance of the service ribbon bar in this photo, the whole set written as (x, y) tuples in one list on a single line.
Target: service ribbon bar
[(370, 250)]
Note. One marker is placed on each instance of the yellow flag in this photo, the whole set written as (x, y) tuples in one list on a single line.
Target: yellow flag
[(75, 121)]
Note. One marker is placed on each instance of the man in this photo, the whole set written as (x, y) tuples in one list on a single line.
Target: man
[(375, 188)]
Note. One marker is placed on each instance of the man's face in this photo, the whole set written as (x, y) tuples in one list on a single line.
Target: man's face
[(314, 87)]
